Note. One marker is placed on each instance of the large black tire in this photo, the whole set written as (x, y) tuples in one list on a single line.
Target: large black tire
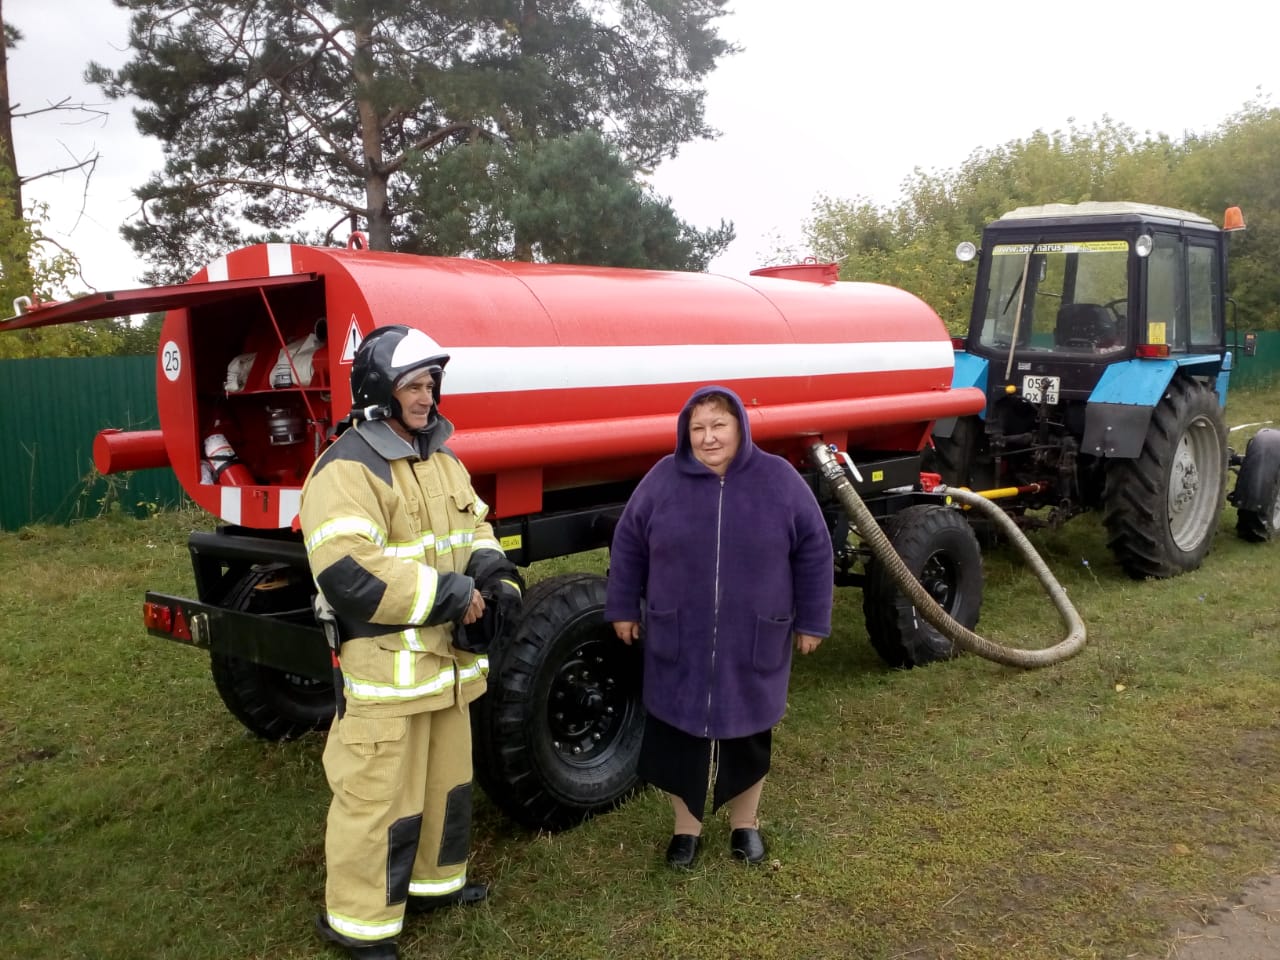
[(557, 735), (1163, 508), (940, 549), (271, 703), (1257, 493), (1260, 526)]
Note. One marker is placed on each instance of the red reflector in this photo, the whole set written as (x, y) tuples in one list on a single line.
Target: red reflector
[(1149, 351), (180, 628), (156, 616), (957, 343)]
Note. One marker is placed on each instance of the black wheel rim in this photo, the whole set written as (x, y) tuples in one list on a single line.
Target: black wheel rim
[(591, 699), (941, 580)]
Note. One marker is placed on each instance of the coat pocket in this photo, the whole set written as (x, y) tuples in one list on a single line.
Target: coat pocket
[(772, 643), (662, 634), (368, 763)]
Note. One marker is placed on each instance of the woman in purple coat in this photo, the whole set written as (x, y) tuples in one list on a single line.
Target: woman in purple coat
[(723, 556)]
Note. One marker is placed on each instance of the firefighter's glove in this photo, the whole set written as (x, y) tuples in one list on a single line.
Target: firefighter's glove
[(502, 587), (489, 568)]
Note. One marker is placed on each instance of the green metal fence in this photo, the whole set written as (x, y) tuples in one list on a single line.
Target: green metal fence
[(1261, 369), (50, 411)]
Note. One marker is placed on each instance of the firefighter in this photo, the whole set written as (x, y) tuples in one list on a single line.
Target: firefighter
[(392, 527)]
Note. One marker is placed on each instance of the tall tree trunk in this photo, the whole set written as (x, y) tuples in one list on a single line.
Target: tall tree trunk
[(10, 185), (375, 178), (15, 259)]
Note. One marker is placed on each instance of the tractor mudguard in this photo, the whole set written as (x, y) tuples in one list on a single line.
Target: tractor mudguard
[(969, 371), (1258, 472), (1120, 406)]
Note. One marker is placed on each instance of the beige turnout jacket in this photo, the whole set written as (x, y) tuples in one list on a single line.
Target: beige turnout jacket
[(390, 528)]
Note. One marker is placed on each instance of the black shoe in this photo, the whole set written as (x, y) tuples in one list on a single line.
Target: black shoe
[(683, 850), (471, 893), (359, 949), (745, 843)]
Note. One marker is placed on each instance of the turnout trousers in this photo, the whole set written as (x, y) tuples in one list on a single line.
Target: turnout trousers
[(400, 820)]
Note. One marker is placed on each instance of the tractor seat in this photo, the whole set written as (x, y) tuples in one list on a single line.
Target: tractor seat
[(1084, 326)]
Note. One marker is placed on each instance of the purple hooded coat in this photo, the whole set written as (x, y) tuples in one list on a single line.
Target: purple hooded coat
[(721, 571)]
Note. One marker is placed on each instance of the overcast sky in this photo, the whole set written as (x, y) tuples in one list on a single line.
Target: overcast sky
[(828, 97)]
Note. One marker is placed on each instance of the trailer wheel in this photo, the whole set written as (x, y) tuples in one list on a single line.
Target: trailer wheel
[(557, 735), (940, 549), (1163, 508), (271, 703)]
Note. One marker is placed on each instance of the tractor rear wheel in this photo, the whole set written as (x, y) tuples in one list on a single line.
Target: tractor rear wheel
[(557, 735), (271, 703), (1163, 508), (940, 549)]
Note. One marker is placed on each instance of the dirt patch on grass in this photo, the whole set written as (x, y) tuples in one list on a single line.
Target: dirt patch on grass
[(1244, 926)]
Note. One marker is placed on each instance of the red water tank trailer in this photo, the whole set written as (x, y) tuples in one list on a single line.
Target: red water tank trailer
[(561, 376), (564, 384)]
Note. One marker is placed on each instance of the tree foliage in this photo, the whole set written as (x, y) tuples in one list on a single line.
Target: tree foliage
[(571, 200), (272, 112), (42, 268), (911, 243)]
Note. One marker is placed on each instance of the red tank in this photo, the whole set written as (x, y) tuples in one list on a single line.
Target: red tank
[(560, 376)]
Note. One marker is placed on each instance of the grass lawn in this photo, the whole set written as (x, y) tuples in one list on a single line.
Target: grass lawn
[(965, 810)]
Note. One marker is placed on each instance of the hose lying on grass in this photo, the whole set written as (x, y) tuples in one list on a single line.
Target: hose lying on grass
[(964, 638)]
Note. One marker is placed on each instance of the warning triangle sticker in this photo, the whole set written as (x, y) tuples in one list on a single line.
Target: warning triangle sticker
[(353, 341)]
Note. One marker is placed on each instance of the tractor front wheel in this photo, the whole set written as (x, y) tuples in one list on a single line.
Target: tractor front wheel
[(1163, 508)]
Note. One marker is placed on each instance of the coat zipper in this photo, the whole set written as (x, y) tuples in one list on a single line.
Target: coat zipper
[(715, 620)]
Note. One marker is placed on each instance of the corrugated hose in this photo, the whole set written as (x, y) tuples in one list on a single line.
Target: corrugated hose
[(833, 472)]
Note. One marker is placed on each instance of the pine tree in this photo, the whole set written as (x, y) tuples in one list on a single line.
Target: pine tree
[(272, 111)]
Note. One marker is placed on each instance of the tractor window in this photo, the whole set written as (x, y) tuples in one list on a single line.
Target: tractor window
[(1166, 293), (1075, 299), (1202, 294)]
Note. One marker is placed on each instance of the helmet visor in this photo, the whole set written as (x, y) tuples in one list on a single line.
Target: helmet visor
[(433, 370)]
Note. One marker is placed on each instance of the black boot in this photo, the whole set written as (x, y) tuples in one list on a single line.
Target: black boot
[(359, 949), (470, 894)]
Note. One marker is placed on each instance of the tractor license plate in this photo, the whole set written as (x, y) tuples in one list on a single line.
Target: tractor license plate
[(1040, 389)]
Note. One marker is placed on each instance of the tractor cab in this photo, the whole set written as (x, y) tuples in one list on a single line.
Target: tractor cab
[(1066, 290), (1098, 338)]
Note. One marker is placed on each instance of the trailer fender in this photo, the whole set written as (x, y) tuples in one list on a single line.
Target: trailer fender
[(969, 371), (1256, 482), (1120, 407)]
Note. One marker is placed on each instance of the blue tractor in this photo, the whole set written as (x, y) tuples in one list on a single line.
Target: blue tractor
[(1099, 335)]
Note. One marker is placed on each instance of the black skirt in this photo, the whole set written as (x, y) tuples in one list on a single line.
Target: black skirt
[(682, 764)]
